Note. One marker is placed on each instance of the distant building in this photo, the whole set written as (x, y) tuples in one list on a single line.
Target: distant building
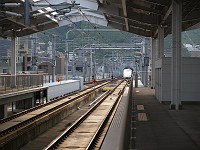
[(194, 50), (4, 46), (60, 65)]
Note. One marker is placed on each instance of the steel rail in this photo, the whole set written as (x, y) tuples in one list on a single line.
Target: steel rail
[(95, 138), (48, 103), (54, 109), (54, 144)]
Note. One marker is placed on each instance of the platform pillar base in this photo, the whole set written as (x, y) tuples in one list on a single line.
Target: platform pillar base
[(173, 107)]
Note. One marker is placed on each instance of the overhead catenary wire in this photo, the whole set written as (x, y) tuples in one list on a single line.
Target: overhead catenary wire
[(96, 28), (89, 22)]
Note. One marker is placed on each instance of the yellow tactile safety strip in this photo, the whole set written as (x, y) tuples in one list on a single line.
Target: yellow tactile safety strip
[(140, 107), (142, 117)]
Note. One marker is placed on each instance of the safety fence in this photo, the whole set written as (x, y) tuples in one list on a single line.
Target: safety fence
[(10, 83)]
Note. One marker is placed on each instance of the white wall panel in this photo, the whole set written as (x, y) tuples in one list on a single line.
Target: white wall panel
[(190, 79), (57, 89)]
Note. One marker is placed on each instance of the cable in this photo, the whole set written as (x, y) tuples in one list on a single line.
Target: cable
[(95, 27), (81, 12), (89, 22)]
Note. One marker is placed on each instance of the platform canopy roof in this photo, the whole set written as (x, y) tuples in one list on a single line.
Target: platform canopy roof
[(141, 17)]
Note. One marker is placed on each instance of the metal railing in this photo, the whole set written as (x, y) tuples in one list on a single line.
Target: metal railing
[(10, 83)]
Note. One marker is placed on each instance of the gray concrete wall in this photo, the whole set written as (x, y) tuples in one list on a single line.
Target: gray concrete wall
[(190, 79)]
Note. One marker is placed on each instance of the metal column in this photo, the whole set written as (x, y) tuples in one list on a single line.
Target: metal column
[(84, 60), (145, 63), (67, 58), (94, 63), (73, 66), (13, 56), (160, 56), (53, 58), (153, 59), (103, 66), (176, 55), (27, 13), (91, 64), (34, 54), (160, 42), (112, 64)]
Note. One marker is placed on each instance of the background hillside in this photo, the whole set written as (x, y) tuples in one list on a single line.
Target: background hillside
[(82, 38)]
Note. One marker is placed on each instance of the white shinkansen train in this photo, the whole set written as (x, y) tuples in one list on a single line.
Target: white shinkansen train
[(127, 73)]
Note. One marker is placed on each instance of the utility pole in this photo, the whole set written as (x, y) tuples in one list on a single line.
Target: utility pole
[(112, 64), (53, 57), (84, 61), (91, 64), (94, 64), (34, 53), (67, 57), (73, 65)]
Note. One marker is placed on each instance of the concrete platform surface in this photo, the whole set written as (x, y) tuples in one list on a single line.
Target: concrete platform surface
[(165, 129)]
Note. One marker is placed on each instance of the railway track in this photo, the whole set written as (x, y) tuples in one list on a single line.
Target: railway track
[(87, 130), (23, 123), (49, 103)]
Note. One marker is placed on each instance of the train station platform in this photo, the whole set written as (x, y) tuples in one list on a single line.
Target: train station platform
[(159, 128)]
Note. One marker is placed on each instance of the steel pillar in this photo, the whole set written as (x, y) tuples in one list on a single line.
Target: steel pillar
[(73, 66), (136, 74), (27, 13), (160, 42), (176, 55), (91, 64), (13, 56), (53, 58), (67, 58), (153, 59), (103, 66), (84, 67), (34, 54), (145, 63)]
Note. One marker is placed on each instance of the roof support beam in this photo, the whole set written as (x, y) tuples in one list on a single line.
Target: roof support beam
[(167, 14), (116, 26), (159, 2), (140, 32), (125, 14), (134, 30), (136, 24), (141, 26), (143, 18), (190, 7), (164, 19), (134, 6), (84, 3), (192, 17), (42, 27)]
